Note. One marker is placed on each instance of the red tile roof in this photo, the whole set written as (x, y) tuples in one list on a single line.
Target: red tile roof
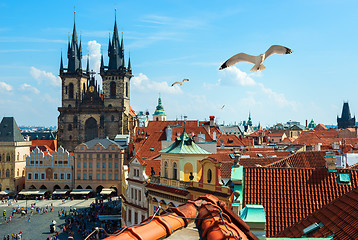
[(167, 189), (263, 161), (51, 144), (230, 141), (156, 167), (309, 159), (148, 140), (291, 194), (339, 218), (320, 127)]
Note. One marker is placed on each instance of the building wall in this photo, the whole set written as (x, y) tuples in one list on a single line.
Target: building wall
[(49, 171), (99, 167), (12, 164)]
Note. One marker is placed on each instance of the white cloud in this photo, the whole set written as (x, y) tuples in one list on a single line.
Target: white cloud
[(26, 86), (41, 75), (144, 84), (235, 75), (94, 52), (5, 86)]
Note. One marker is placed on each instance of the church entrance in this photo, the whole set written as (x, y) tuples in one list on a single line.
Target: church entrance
[(91, 129)]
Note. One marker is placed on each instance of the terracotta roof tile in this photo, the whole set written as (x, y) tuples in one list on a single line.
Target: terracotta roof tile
[(320, 127), (169, 189), (291, 194), (339, 218), (308, 159)]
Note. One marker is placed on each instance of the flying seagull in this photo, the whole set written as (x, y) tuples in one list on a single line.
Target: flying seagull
[(257, 60), (222, 107), (181, 83)]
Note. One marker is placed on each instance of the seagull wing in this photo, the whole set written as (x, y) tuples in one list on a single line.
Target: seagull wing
[(277, 49), (177, 83), (241, 57)]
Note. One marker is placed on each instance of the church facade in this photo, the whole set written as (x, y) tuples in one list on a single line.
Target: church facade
[(89, 111)]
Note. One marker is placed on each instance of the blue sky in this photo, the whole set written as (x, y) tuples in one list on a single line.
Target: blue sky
[(172, 40)]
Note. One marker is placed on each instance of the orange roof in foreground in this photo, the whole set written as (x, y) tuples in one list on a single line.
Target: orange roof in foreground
[(214, 219), (339, 218), (291, 194)]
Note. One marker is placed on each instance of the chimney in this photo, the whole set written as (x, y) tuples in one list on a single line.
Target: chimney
[(212, 121), (331, 161), (237, 155), (317, 146), (168, 133), (306, 123)]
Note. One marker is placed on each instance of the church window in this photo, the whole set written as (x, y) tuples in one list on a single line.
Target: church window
[(209, 177), (127, 90), (112, 90), (110, 105), (165, 169), (69, 127), (112, 118), (75, 122), (70, 93), (66, 90), (175, 171), (69, 106)]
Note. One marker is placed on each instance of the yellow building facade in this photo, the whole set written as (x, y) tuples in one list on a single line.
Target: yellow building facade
[(13, 152)]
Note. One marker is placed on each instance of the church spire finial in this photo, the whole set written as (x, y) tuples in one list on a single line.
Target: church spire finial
[(129, 63), (61, 64)]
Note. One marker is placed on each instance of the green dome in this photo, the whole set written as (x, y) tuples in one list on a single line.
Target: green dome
[(159, 110), (312, 124)]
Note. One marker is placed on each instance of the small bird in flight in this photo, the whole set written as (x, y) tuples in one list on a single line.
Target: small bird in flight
[(181, 83), (222, 107), (257, 60)]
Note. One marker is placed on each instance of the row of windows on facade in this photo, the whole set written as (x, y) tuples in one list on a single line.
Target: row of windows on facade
[(175, 171), (39, 162), (136, 221), (70, 127), (7, 157), (209, 173), (98, 165), (8, 173), (112, 92), (98, 156), (98, 176), (41, 176)]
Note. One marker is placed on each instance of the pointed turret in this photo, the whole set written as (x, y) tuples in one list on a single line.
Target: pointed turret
[(129, 64), (115, 50), (87, 69), (122, 51), (61, 65), (74, 53), (102, 63)]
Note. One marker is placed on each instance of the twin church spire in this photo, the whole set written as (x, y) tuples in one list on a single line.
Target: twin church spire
[(115, 54)]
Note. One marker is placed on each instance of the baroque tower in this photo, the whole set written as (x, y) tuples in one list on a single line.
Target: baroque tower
[(88, 111)]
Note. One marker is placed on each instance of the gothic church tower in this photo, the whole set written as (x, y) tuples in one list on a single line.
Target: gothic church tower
[(87, 112)]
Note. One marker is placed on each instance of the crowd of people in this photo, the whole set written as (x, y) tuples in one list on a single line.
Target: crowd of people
[(77, 221), (86, 220)]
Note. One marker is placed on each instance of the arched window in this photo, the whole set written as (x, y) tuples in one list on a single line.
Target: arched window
[(75, 122), (112, 92), (165, 169), (127, 90), (8, 158), (70, 92), (175, 171), (7, 173), (209, 176), (70, 127)]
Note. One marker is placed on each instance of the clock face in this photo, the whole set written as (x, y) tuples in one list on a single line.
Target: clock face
[(91, 88)]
